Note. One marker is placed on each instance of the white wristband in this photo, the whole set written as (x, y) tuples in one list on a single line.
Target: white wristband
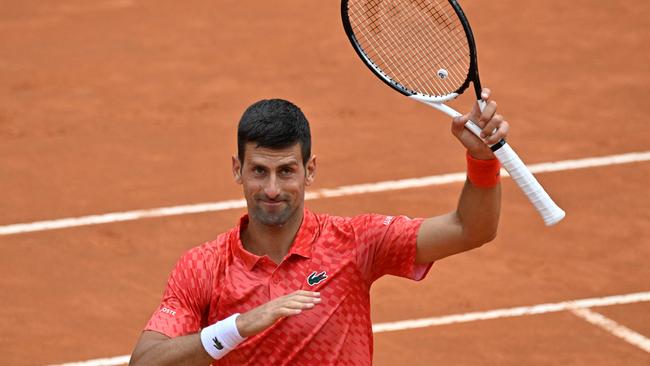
[(221, 337)]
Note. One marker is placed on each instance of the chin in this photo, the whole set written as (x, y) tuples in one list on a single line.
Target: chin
[(276, 219)]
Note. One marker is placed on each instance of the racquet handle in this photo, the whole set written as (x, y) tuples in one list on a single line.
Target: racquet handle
[(550, 212)]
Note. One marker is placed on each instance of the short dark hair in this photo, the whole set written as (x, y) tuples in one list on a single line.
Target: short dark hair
[(275, 124)]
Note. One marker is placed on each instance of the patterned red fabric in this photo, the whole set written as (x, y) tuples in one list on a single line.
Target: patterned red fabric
[(219, 278)]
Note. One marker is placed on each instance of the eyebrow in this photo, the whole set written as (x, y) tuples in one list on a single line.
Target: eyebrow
[(288, 164), (292, 163)]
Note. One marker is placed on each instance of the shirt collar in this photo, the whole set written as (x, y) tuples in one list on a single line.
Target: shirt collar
[(306, 235), (301, 246)]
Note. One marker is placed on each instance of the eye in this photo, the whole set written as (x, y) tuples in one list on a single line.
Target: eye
[(258, 170), (286, 171)]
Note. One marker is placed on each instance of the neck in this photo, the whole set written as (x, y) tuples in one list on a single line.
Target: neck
[(272, 241)]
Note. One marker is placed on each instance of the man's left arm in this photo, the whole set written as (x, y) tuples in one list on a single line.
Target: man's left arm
[(476, 218)]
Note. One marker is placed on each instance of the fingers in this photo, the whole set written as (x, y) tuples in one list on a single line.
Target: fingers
[(478, 107), (493, 126), (489, 111), (458, 124), (303, 296), (305, 293), (500, 131), (296, 307), (265, 315), (298, 301), (475, 114)]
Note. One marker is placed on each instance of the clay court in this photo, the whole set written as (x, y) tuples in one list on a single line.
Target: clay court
[(124, 107)]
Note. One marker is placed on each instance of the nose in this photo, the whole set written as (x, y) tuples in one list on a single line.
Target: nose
[(272, 187)]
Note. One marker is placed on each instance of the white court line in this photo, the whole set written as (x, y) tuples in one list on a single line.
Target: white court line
[(392, 185), (614, 328), (512, 312), (452, 319), (109, 361)]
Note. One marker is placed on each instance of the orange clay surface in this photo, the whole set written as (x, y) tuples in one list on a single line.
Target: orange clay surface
[(116, 105)]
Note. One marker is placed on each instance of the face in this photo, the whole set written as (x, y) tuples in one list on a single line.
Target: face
[(274, 182)]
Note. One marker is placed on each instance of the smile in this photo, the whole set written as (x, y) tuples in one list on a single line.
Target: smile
[(272, 203)]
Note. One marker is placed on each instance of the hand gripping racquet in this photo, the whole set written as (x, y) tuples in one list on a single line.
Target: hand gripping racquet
[(425, 50)]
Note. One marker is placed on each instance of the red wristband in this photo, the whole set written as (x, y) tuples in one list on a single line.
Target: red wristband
[(483, 173)]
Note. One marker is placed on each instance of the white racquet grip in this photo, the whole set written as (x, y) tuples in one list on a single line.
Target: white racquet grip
[(551, 213)]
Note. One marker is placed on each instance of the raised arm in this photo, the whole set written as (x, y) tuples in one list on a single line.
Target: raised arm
[(476, 218)]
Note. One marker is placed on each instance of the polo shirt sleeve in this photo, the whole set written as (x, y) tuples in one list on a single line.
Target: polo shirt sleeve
[(387, 245), (186, 297)]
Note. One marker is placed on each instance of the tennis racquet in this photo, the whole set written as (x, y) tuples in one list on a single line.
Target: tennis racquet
[(425, 50)]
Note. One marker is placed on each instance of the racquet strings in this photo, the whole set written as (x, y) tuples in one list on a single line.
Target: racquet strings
[(420, 45)]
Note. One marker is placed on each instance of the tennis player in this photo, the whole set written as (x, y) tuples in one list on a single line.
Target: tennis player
[(288, 286)]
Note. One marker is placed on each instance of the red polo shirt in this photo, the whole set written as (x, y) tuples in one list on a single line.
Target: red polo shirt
[(219, 278)]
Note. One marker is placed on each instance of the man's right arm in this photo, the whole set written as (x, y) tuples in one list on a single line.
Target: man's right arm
[(155, 348)]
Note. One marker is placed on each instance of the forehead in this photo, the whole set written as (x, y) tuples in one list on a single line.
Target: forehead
[(258, 155)]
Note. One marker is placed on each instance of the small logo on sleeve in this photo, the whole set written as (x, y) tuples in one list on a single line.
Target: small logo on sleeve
[(388, 220), (315, 278), (168, 311), (217, 344)]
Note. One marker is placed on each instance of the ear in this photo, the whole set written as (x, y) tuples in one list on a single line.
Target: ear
[(236, 169), (310, 170)]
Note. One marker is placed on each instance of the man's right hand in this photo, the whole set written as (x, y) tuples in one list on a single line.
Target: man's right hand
[(263, 316)]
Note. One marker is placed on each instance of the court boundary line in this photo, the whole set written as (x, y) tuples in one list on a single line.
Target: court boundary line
[(341, 191), (518, 311), (613, 327)]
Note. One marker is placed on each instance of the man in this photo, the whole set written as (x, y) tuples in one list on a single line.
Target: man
[(290, 287)]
